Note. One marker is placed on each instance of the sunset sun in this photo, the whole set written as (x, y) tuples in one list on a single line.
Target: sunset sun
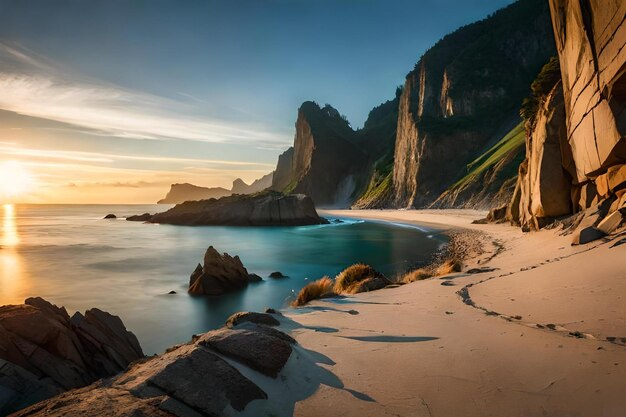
[(15, 180)]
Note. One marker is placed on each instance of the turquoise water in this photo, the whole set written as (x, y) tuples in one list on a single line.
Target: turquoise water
[(69, 255)]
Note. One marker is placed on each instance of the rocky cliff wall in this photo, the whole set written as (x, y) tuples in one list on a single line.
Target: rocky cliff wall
[(461, 92), (326, 164), (576, 148)]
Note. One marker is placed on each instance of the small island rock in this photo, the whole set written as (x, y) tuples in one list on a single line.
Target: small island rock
[(221, 273)]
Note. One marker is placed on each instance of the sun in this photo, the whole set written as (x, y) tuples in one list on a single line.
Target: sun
[(15, 180)]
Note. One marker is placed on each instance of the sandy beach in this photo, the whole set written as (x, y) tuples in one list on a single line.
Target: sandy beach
[(539, 334)]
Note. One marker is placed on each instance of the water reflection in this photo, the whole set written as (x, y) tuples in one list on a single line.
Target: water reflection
[(9, 229), (12, 282)]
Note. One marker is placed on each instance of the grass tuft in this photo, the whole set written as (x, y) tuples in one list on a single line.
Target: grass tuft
[(350, 279), (315, 290)]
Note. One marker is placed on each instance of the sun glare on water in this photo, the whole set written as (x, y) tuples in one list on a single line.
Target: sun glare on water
[(15, 180)]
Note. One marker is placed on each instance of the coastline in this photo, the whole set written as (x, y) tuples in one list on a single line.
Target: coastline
[(530, 338)]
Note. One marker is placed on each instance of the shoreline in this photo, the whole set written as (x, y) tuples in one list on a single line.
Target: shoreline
[(540, 332)]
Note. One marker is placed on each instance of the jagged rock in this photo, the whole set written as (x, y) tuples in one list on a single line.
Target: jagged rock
[(610, 223), (263, 209), (497, 214), (254, 278), (110, 217), (277, 274), (616, 177), (139, 217), (586, 235), (190, 380), (220, 274), (259, 350), (44, 352), (257, 318)]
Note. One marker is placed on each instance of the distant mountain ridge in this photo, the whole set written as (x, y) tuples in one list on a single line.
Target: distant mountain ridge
[(180, 193)]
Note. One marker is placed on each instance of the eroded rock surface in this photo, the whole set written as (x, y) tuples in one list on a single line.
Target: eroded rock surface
[(200, 378), (44, 352)]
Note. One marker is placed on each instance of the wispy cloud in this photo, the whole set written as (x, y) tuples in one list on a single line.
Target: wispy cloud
[(34, 87), (49, 154)]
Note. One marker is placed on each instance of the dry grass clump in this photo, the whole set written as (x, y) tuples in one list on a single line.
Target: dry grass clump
[(416, 275), (448, 267), (436, 269), (315, 290), (350, 279)]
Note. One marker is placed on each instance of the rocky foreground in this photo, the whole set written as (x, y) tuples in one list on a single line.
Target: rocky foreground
[(210, 376), (44, 351), (263, 209)]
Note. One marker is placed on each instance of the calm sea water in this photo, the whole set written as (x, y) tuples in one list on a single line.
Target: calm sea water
[(72, 257)]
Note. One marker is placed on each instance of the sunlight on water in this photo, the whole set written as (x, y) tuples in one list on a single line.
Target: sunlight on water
[(12, 280), (9, 229)]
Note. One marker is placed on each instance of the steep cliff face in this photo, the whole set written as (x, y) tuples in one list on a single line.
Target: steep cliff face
[(544, 184), (576, 145), (284, 171), (590, 37), (463, 91), (326, 164), (377, 139)]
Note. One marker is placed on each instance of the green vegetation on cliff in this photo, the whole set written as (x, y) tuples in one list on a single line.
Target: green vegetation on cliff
[(547, 78), (490, 178), (510, 143), (379, 189)]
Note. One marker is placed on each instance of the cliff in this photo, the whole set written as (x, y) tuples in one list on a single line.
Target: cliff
[(576, 149), (326, 164), (463, 97), (284, 171)]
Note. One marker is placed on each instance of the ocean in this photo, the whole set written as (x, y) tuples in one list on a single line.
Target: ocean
[(72, 257)]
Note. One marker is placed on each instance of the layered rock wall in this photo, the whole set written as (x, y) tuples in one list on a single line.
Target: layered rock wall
[(576, 150)]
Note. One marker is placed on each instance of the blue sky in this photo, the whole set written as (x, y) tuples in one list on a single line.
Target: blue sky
[(149, 92)]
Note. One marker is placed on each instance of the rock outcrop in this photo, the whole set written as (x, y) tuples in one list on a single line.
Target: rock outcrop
[(206, 377), (326, 164), (264, 209), (44, 352), (576, 147), (335, 164), (220, 273), (462, 92)]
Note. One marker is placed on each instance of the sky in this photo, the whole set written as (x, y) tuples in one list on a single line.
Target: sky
[(111, 101)]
